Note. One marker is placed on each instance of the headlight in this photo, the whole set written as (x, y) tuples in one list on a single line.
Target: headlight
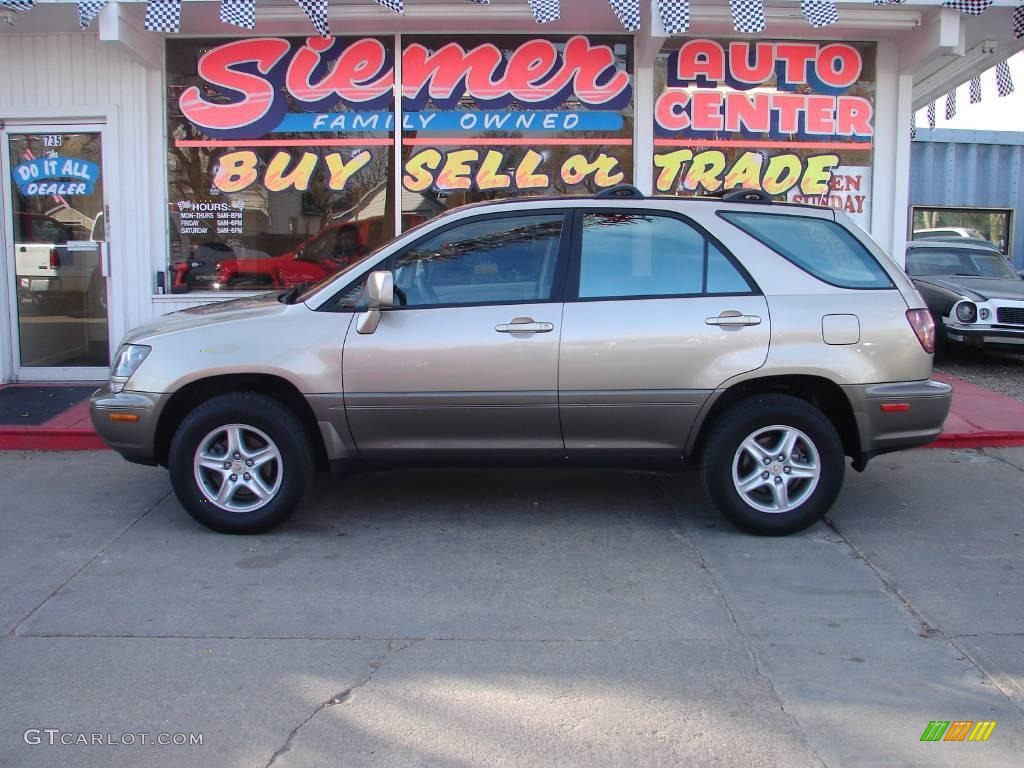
[(127, 361), (985, 314), (966, 312)]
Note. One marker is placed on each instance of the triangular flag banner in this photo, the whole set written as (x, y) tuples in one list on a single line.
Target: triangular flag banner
[(748, 15), (674, 15), (820, 13), (163, 16), (973, 7), (1018, 22), (545, 10), (888, 2), (975, 89), (627, 12), (392, 5), (316, 10), (89, 10), (1004, 80), (18, 5), (913, 125), (931, 115), (951, 104), (482, 2), (240, 13)]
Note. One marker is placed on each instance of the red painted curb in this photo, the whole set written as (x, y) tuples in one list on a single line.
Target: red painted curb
[(978, 440), (49, 439)]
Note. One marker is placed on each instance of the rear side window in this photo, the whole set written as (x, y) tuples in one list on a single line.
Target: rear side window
[(642, 255), (819, 247)]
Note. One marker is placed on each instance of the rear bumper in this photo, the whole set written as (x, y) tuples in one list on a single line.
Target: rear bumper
[(135, 440), (913, 414)]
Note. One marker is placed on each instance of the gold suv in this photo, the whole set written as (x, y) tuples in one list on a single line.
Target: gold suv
[(764, 341)]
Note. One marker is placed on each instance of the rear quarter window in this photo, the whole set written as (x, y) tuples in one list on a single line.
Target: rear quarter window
[(820, 247)]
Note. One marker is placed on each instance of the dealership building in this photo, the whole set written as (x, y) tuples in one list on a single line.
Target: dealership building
[(162, 155)]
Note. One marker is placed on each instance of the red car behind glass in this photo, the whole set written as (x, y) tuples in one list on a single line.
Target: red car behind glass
[(327, 252)]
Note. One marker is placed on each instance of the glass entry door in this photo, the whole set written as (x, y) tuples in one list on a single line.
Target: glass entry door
[(56, 242)]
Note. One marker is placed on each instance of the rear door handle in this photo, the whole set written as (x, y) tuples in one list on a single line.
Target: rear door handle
[(524, 325), (732, 319)]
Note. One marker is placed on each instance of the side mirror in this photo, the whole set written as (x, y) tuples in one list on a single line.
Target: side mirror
[(380, 294)]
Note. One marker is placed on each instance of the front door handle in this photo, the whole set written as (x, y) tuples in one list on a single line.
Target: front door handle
[(733, 319), (524, 325)]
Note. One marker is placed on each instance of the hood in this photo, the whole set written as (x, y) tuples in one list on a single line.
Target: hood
[(247, 308), (980, 288)]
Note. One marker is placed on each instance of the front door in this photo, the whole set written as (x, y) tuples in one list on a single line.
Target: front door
[(468, 364), (55, 235)]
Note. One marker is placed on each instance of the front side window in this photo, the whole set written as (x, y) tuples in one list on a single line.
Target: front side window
[(483, 261), (820, 247), (643, 255)]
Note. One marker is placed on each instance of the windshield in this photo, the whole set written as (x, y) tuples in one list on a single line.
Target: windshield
[(935, 261)]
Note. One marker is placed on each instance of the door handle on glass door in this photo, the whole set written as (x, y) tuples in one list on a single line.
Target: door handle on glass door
[(733, 319), (524, 325)]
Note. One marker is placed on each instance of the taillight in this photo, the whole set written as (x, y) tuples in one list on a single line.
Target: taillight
[(54, 258), (924, 326)]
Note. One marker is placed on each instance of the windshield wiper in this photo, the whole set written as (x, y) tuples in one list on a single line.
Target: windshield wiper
[(289, 296)]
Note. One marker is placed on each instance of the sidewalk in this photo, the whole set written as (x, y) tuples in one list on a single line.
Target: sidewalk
[(980, 418)]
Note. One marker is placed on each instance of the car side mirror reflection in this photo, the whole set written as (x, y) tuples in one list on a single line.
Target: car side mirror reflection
[(380, 294)]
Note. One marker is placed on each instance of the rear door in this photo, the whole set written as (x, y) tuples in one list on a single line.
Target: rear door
[(658, 314), (468, 364)]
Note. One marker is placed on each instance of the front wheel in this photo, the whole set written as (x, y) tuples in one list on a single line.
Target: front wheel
[(773, 465), (240, 463)]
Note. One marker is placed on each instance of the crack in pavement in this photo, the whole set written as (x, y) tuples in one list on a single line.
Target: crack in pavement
[(928, 629), (14, 630), (1003, 460), (340, 698), (680, 534)]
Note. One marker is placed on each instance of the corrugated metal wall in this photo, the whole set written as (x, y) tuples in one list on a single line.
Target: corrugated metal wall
[(971, 168)]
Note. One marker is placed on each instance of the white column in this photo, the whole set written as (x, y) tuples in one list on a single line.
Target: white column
[(892, 129)]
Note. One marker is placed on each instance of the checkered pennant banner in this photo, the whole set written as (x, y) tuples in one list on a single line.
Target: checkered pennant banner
[(931, 115), (748, 15), (951, 104), (1018, 22), (545, 10), (913, 125), (820, 13), (888, 2), (163, 16), (1004, 80), (973, 7), (18, 5), (627, 12), (392, 5), (240, 13), (316, 10), (482, 2), (89, 10), (674, 15), (975, 89)]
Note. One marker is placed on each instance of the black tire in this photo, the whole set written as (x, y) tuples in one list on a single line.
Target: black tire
[(277, 422), (744, 419)]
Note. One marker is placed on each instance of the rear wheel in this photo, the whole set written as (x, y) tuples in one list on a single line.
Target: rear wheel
[(240, 463), (773, 464)]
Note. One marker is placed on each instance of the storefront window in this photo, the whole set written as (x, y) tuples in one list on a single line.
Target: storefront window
[(279, 157), (992, 225), (792, 118), (492, 117)]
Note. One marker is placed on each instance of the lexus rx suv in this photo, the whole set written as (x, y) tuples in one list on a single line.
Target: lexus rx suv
[(764, 342)]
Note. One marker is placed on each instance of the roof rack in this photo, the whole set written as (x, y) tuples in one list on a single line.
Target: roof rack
[(625, 191), (743, 195)]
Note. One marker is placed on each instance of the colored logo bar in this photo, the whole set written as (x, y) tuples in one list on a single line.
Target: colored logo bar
[(958, 730)]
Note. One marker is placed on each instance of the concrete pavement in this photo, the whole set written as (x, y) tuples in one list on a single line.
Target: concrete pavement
[(508, 618)]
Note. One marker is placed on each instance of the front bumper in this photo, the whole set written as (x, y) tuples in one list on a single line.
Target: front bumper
[(914, 414), (135, 440), (988, 336)]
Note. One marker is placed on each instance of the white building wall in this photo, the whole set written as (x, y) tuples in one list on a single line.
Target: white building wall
[(78, 78)]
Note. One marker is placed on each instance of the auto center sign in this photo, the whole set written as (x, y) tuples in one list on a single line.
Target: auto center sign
[(780, 116)]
